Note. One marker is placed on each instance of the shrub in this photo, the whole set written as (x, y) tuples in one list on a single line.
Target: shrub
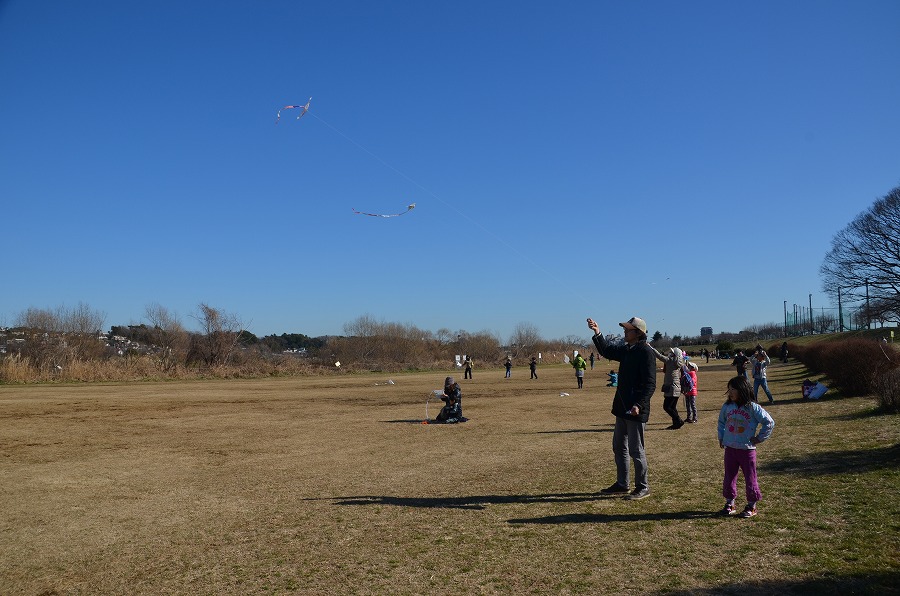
[(855, 366), (887, 391)]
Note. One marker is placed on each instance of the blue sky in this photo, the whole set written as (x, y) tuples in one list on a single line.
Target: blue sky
[(686, 162)]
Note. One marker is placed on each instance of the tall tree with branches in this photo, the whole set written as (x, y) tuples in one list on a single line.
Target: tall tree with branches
[(866, 254)]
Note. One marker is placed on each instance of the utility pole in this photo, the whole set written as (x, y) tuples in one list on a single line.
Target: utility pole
[(840, 312), (785, 318), (868, 312), (812, 325)]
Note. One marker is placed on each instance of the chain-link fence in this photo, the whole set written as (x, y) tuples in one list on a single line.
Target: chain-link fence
[(803, 320)]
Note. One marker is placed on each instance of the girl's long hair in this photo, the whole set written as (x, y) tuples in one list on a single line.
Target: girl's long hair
[(745, 391)]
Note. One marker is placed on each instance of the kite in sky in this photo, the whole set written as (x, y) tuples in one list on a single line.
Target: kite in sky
[(303, 113), (409, 208)]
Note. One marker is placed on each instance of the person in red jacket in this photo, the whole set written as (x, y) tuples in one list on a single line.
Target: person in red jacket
[(690, 396)]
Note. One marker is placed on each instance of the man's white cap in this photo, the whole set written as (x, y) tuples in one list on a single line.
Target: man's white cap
[(635, 323)]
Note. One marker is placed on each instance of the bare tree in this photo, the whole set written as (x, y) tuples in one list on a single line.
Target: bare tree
[(524, 339), (220, 335), (864, 261), (57, 337), (483, 346), (39, 319), (168, 335), (444, 336)]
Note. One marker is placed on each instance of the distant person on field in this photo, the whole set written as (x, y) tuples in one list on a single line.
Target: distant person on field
[(631, 404), (613, 377), (533, 366), (760, 362), (690, 396), (784, 352), (738, 420), (740, 363), (592, 361), (508, 366), (579, 365), (468, 372)]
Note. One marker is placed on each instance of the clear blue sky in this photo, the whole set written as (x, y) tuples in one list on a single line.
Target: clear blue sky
[(686, 162)]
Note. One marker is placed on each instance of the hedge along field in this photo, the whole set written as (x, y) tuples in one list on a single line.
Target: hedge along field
[(330, 485)]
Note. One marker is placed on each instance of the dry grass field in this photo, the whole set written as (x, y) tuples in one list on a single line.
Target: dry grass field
[(330, 485)]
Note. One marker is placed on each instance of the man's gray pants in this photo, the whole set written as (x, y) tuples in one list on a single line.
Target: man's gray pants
[(628, 441)]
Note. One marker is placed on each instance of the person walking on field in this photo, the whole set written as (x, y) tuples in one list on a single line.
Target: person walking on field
[(533, 366), (508, 366), (740, 363), (760, 362), (468, 372), (631, 403), (672, 363), (592, 361), (579, 364)]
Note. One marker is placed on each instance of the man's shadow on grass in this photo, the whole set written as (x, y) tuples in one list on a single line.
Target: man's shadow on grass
[(596, 428), (470, 502), (479, 502), (605, 518), (837, 462)]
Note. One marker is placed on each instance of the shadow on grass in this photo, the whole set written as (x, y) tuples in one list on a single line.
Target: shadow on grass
[(837, 462), (872, 412), (869, 583), (471, 502), (574, 430), (605, 518)]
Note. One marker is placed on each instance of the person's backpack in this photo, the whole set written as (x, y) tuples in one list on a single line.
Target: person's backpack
[(687, 383)]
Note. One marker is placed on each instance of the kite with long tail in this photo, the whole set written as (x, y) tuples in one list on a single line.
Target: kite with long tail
[(304, 109), (409, 208)]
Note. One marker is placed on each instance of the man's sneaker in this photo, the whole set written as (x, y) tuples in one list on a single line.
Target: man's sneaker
[(638, 493), (748, 511), (615, 489), (728, 509)]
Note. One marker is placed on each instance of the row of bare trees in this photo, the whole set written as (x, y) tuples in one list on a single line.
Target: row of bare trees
[(53, 339), (863, 265)]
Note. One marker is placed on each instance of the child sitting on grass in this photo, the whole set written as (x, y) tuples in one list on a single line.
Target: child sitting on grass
[(613, 379), (738, 420)]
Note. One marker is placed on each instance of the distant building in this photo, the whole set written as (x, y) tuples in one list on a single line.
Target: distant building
[(706, 332)]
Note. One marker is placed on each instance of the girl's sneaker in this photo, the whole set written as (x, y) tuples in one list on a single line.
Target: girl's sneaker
[(749, 511), (728, 509)]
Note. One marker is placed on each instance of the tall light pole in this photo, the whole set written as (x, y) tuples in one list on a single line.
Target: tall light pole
[(868, 312), (785, 318), (812, 325), (840, 312)]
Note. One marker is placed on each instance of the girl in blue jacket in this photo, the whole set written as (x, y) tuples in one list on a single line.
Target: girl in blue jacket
[(739, 420)]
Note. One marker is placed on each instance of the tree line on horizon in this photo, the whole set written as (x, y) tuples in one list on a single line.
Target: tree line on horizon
[(861, 268)]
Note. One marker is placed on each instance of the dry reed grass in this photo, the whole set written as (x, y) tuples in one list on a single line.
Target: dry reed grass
[(329, 485)]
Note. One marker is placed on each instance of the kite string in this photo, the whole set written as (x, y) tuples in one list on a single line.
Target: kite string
[(449, 206)]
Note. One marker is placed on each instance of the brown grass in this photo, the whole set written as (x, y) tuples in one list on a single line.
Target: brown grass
[(329, 485)]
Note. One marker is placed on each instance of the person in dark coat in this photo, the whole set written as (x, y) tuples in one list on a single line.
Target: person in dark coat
[(451, 413), (631, 404)]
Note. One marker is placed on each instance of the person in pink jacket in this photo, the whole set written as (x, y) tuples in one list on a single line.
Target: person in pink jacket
[(690, 396)]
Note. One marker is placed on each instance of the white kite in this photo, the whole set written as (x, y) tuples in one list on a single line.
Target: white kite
[(409, 208), (304, 109)]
